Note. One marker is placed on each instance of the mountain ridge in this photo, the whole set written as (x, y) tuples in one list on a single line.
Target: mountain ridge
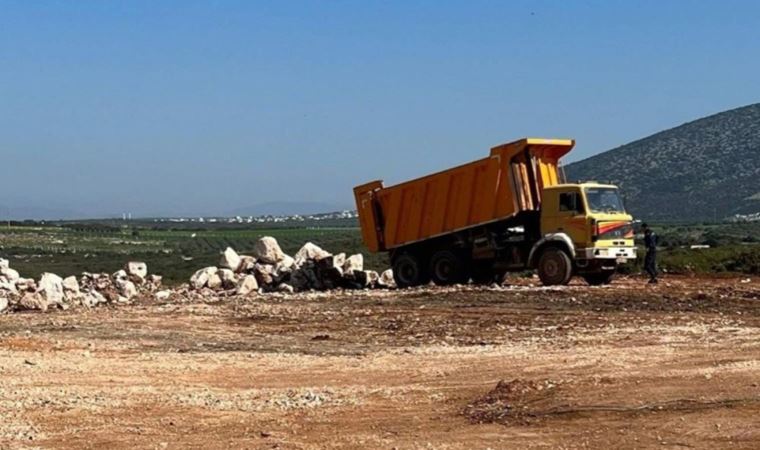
[(703, 170)]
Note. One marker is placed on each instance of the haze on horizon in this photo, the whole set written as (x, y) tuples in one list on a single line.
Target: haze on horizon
[(189, 108)]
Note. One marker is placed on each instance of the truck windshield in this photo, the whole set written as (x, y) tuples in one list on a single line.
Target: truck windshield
[(604, 200)]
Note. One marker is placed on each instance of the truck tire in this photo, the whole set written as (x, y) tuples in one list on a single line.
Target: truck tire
[(554, 267), (599, 279), (486, 273), (446, 268), (409, 271)]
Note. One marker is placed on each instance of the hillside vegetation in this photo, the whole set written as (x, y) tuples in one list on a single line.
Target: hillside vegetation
[(704, 170)]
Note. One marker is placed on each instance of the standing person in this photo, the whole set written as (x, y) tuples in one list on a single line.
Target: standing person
[(650, 260)]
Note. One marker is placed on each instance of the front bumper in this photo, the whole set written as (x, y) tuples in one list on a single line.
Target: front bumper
[(621, 254)]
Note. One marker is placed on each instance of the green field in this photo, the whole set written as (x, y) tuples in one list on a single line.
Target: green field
[(176, 254), (176, 251)]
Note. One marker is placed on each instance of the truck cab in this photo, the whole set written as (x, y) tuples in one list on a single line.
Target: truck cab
[(588, 222)]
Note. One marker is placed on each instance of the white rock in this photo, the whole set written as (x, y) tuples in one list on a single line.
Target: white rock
[(33, 301), (214, 281), (120, 276), (365, 278), (246, 263), (51, 287), (230, 260), (163, 295), (4, 264), (70, 284), (26, 284), (310, 251), (264, 273), (267, 250), (284, 287), (71, 289), (229, 279), (3, 304), (354, 262), (6, 285), (10, 274), (200, 278), (386, 279), (93, 298), (127, 289), (137, 270), (247, 285)]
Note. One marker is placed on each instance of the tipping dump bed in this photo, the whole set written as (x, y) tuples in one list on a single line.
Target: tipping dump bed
[(510, 180)]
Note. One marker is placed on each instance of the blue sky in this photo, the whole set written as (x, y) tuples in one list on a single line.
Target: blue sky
[(182, 107)]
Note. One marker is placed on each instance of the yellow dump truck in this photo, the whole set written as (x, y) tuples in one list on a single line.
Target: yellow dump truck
[(507, 212)]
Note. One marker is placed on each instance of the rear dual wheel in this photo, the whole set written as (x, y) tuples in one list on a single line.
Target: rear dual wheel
[(447, 268), (409, 270)]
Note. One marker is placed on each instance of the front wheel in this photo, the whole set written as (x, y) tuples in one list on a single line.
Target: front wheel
[(555, 267)]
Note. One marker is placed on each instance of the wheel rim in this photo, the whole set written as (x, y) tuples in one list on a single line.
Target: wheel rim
[(408, 272), (444, 269), (551, 267)]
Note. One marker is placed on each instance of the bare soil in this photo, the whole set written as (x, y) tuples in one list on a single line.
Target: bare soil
[(629, 365)]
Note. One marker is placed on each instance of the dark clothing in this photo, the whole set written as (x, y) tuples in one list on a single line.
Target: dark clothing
[(650, 260), (650, 240)]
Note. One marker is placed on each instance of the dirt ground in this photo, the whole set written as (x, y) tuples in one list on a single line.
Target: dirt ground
[(675, 365)]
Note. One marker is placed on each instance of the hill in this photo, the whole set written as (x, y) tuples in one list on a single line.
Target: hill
[(703, 170)]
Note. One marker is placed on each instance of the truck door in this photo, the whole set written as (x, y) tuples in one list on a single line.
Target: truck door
[(563, 211)]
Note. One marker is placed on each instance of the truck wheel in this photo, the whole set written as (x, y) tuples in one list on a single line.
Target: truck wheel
[(601, 278), (484, 273), (446, 268), (408, 271), (554, 267)]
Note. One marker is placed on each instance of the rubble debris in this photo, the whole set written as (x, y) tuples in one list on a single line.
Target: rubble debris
[(91, 289), (271, 270)]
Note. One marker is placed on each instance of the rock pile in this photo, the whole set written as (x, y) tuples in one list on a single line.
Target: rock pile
[(269, 269), (18, 293)]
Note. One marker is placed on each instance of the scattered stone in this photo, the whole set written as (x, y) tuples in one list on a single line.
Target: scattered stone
[(93, 298), (163, 295), (137, 271), (264, 273), (33, 301), (200, 279), (284, 287), (71, 290), (229, 279), (10, 274), (214, 281), (353, 263), (268, 251), (386, 279), (51, 287), (246, 264), (309, 252), (230, 260), (246, 285)]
